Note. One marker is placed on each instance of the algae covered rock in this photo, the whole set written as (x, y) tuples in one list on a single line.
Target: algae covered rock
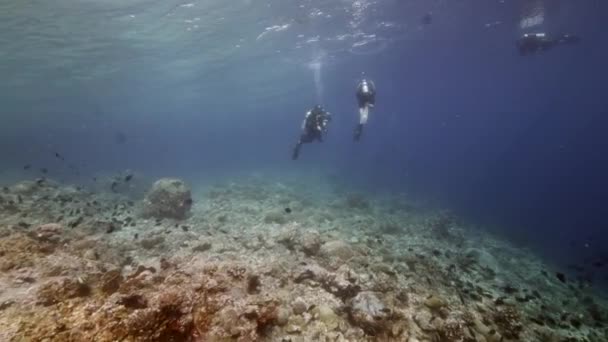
[(168, 198)]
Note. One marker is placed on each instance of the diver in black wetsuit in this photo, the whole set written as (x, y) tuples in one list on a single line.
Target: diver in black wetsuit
[(314, 125), (531, 43), (366, 97)]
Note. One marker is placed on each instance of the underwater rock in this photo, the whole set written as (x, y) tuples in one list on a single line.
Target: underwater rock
[(253, 284), (296, 324), (132, 301), (53, 292), (166, 318), (337, 249), (168, 198), (20, 250), (90, 255), (50, 232), (326, 315), (202, 247), (288, 237), (107, 227), (369, 313), (426, 321), (26, 188), (310, 272), (282, 316), (451, 331), (265, 315), (342, 284), (6, 304), (434, 303), (151, 242), (310, 242), (110, 281), (299, 306), (228, 318)]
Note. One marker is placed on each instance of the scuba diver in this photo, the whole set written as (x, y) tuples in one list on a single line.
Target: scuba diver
[(531, 43), (366, 97), (314, 125)]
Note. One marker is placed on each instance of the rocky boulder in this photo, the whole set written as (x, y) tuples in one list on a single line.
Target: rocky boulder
[(311, 242), (337, 249), (168, 198), (369, 313)]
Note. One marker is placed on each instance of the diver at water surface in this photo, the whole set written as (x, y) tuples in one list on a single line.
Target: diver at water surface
[(531, 43), (366, 97), (313, 127)]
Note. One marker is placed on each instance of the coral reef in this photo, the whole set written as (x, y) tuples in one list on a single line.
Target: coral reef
[(77, 265)]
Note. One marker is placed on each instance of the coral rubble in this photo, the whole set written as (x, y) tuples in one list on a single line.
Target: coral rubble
[(77, 265)]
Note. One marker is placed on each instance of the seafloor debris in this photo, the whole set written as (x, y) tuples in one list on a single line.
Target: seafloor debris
[(245, 271)]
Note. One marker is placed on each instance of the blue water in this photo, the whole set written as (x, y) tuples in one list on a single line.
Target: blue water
[(205, 89)]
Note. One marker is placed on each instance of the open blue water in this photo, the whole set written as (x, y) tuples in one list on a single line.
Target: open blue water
[(201, 89)]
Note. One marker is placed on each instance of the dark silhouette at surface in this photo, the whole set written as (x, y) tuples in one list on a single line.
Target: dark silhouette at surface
[(531, 43)]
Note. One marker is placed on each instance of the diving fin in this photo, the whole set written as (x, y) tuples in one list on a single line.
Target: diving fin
[(296, 152), (358, 131)]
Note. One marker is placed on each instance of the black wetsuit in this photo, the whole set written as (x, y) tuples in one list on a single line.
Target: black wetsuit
[(538, 42), (314, 127)]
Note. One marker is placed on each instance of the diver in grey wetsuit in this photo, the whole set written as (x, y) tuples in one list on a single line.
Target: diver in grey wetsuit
[(366, 98), (314, 125), (531, 43)]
